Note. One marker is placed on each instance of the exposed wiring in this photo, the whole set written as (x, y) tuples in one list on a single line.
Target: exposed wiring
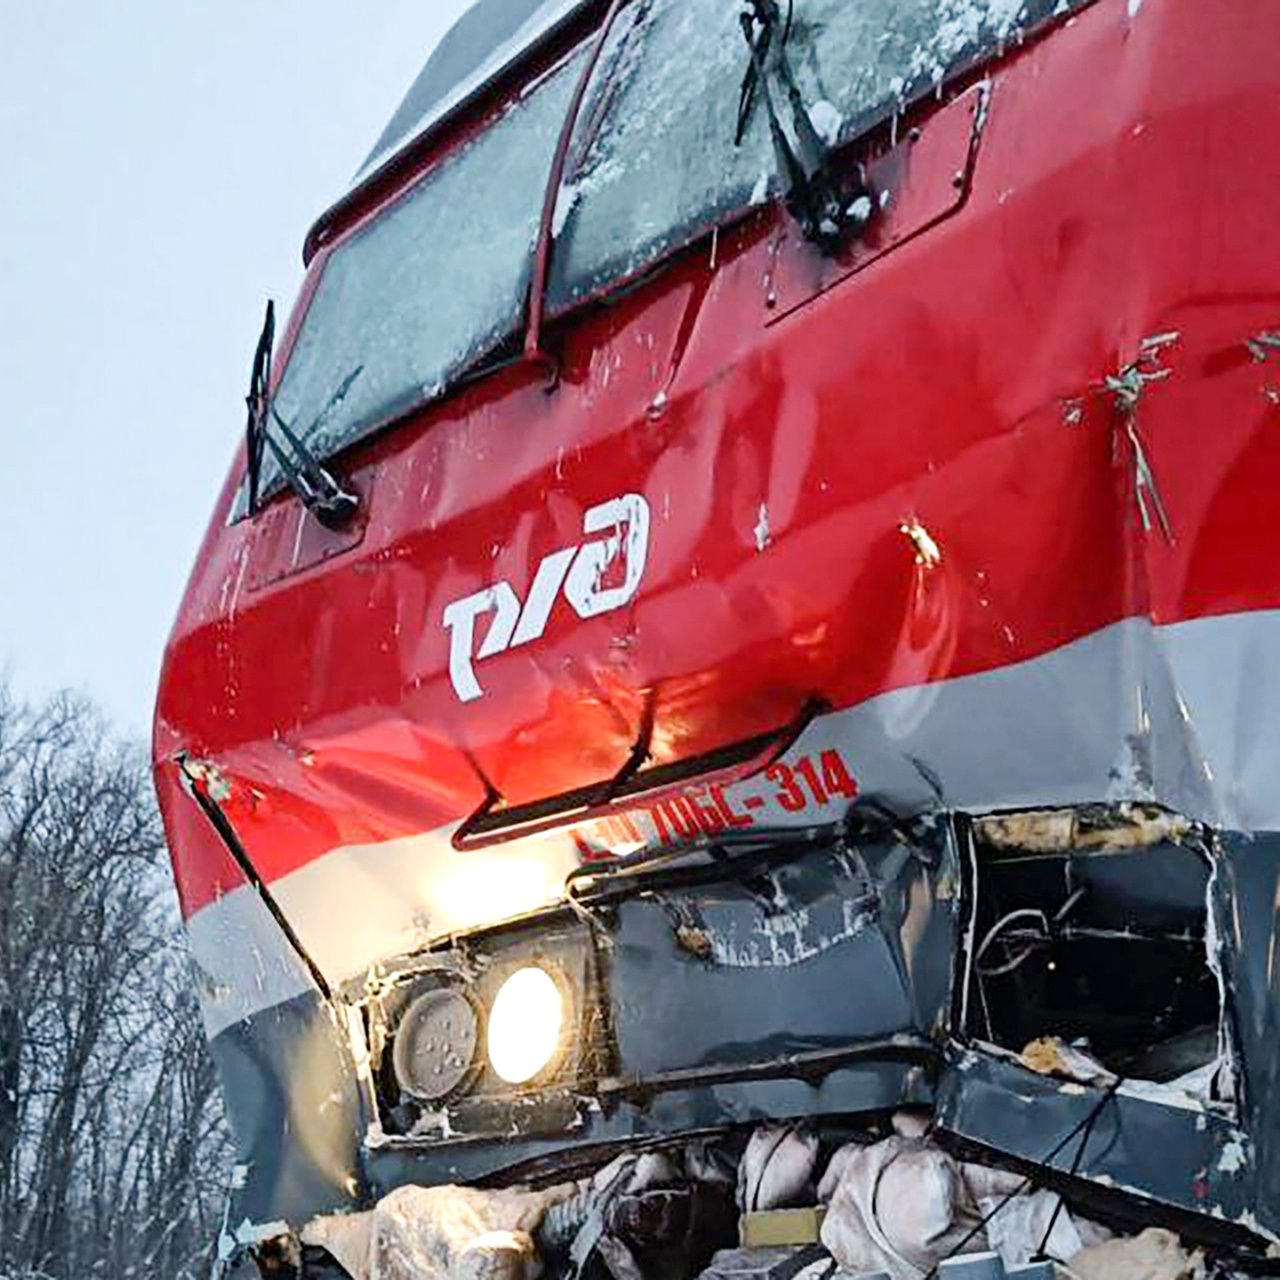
[(1034, 941), (997, 929)]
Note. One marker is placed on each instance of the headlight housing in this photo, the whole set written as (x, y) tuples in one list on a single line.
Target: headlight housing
[(526, 1025), (435, 1044), (495, 1038)]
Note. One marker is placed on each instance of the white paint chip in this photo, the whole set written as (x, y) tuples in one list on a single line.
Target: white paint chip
[(762, 528)]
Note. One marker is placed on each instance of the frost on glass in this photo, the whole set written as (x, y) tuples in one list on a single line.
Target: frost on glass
[(660, 164), (871, 58), (656, 162), (434, 283)]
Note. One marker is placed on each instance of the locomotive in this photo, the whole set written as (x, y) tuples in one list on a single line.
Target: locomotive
[(747, 596)]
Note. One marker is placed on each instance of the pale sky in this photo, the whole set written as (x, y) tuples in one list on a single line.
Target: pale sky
[(160, 163)]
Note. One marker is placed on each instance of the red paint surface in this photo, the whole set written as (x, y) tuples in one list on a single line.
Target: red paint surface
[(1124, 186)]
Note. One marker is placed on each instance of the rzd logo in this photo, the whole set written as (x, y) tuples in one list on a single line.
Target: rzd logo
[(579, 571)]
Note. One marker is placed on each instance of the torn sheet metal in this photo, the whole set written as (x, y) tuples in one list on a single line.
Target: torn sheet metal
[(781, 947), (1187, 1158), (1187, 1128), (652, 1018)]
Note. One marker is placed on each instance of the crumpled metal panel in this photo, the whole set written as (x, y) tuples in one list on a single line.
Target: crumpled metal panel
[(1181, 1157), (297, 1111), (726, 1049), (756, 970), (1171, 1148)]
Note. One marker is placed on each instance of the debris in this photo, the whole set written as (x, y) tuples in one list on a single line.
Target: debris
[(1051, 1056), (777, 1168), (1125, 826), (1263, 345), (215, 781), (1155, 1254), (440, 1233), (1149, 499), (1037, 1223), (899, 1207), (1128, 387), (1234, 1156), (928, 553), (775, 1227), (249, 1233), (762, 529), (974, 1266), (696, 941), (643, 1216), (748, 1264), (1031, 1271), (902, 1206)]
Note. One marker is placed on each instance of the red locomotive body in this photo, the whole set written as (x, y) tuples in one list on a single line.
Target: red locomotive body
[(889, 473)]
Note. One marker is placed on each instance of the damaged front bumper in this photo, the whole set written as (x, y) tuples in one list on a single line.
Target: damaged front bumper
[(1083, 995)]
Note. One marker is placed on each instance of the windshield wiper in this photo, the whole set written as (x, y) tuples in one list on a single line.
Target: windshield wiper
[(332, 505), (829, 211)]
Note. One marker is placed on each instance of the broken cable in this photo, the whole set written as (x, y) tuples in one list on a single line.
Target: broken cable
[(1085, 1126), (1040, 1254)]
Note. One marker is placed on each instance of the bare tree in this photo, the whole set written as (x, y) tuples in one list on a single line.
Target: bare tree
[(111, 1145)]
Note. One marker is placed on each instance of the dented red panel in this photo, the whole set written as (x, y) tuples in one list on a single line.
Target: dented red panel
[(919, 178), (996, 498)]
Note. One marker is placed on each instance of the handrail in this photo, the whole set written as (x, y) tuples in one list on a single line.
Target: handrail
[(496, 823)]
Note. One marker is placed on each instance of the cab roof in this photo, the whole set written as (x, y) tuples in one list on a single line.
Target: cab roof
[(486, 42)]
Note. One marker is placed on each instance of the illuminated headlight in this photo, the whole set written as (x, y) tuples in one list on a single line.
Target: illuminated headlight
[(526, 1024)]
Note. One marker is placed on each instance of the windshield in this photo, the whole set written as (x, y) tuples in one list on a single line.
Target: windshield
[(656, 162), (434, 283), (439, 279)]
